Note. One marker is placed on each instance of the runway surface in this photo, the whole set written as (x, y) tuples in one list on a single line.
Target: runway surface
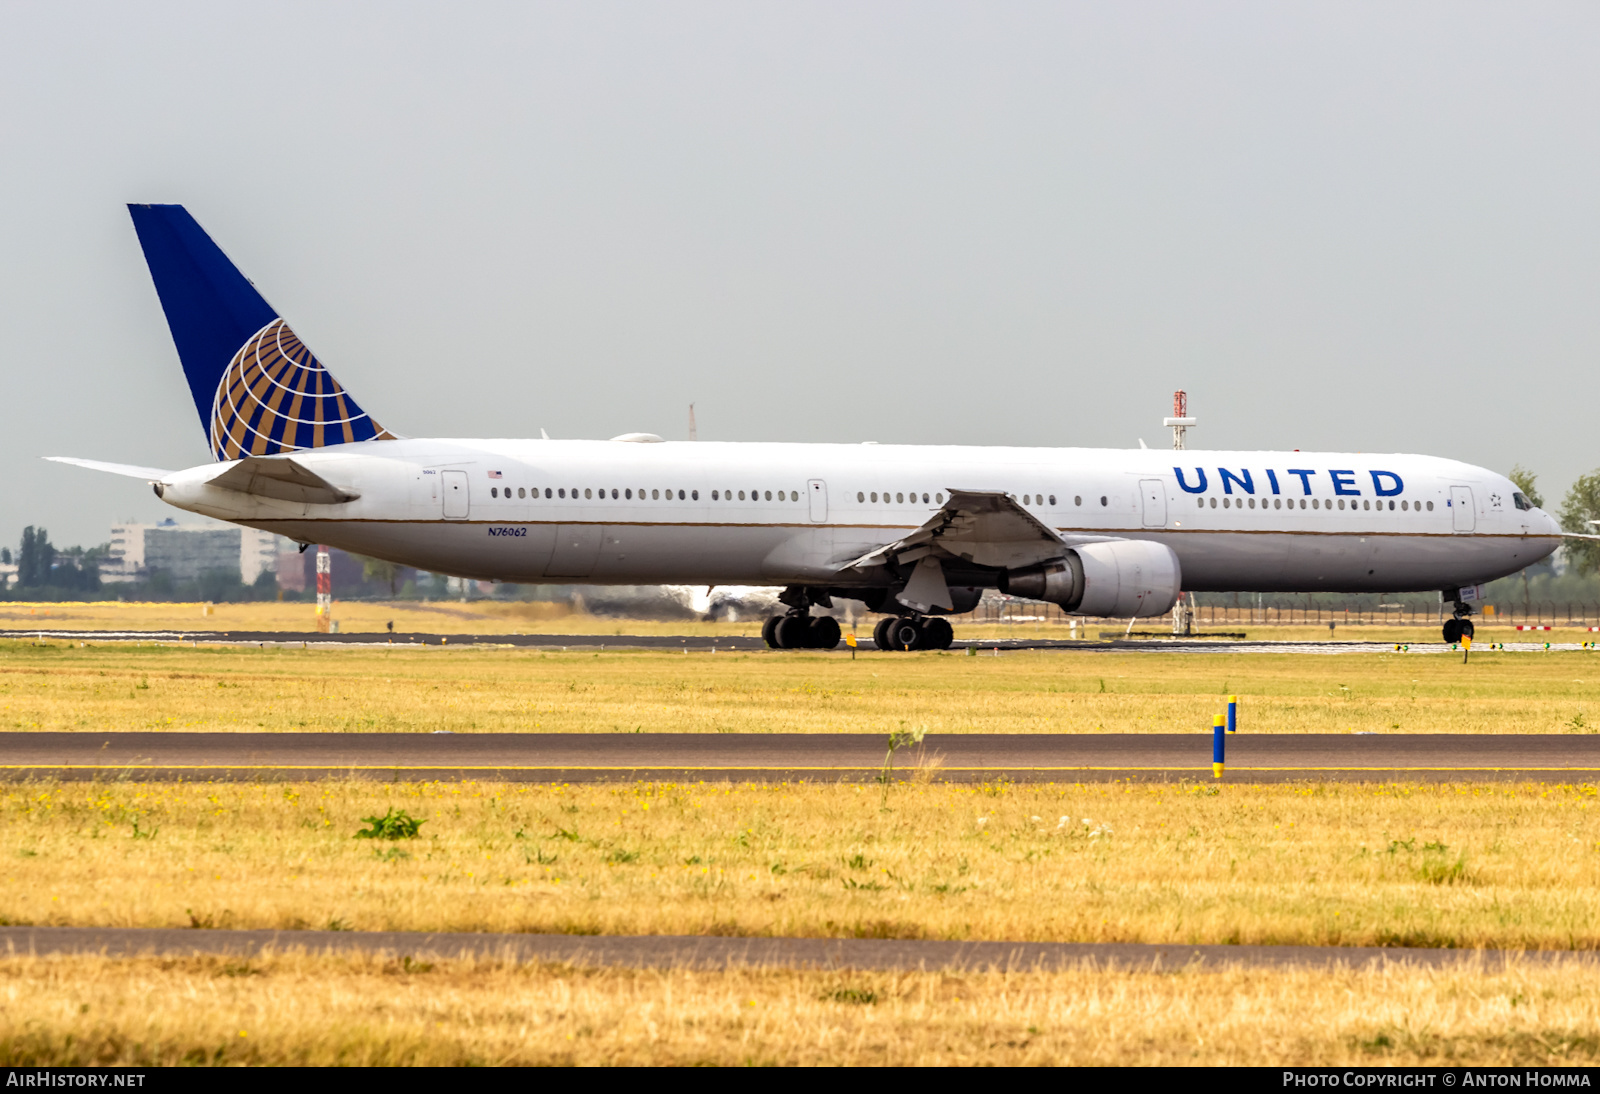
[(687, 951), (707, 644), (820, 757)]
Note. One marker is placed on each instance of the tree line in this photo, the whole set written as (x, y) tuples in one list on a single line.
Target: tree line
[(43, 566)]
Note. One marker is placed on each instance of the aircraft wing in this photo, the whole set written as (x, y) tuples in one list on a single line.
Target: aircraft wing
[(982, 527), (148, 474), (282, 478)]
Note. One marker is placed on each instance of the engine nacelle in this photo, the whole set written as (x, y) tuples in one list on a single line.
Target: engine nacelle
[(1120, 578)]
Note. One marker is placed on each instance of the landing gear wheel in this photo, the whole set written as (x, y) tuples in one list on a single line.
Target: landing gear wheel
[(823, 633), (769, 632), (1454, 629), (905, 634), (791, 632), (1466, 628), (880, 633), (937, 634)]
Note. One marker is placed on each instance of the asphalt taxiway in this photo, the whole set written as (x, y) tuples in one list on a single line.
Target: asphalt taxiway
[(819, 757), (710, 643)]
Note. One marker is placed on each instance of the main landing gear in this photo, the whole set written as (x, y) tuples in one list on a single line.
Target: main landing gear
[(801, 631), (1459, 626), (907, 632)]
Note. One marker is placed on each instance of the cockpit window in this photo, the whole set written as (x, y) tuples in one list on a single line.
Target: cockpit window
[(1521, 501)]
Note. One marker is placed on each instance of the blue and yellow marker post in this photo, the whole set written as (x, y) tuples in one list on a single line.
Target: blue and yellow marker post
[(1218, 728), (1233, 714)]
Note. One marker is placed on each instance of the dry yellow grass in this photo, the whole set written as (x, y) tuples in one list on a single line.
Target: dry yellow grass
[(298, 1009), (60, 686), (1437, 866)]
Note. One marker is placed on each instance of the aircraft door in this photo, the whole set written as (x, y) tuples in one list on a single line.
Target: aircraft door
[(1155, 502), (1462, 511), (817, 491), (577, 547), (456, 502)]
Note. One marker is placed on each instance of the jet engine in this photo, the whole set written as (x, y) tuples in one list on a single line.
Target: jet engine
[(1119, 578)]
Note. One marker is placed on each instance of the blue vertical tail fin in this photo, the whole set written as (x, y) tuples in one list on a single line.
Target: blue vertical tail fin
[(258, 389)]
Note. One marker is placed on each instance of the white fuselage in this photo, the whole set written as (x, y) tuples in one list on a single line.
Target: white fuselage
[(770, 513)]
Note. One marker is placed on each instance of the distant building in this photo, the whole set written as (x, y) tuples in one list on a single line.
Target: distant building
[(185, 551)]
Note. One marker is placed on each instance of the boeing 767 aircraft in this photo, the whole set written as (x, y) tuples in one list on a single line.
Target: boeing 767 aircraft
[(913, 531)]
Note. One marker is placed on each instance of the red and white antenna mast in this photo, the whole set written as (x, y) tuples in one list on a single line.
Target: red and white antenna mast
[(1180, 420), (324, 589)]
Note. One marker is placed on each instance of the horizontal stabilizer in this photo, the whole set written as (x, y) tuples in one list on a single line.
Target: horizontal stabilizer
[(282, 478), (148, 474)]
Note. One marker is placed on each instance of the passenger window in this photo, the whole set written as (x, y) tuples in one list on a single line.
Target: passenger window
[(1201, 502), (714, 496), (874, 495), (1405, 505), (1252, 503), (680, 495), (694, 495), (1102, 499), (1430, 507), (1052, 500), (1025, 499), (1316, 503), (1368, 504), (1341, 503), (900, 499), (563, 491), (655, 494), (547, 491), (769, 495), (939, 498), (924, 499), (1277, 503), (1226, 502), (494, 491), (1213, 503), (586, 493), (741, 495)]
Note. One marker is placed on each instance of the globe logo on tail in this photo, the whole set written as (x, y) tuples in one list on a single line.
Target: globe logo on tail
[(276, 397)]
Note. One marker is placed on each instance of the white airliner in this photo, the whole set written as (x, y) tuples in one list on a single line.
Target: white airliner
[(917, 532)]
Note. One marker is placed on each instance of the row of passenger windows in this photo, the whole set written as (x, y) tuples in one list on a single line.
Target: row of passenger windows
[(900, 498), (644, 495), (1316, 503)]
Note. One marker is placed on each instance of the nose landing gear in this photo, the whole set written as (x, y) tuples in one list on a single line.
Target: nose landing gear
[(1459, 625), (908, 632)]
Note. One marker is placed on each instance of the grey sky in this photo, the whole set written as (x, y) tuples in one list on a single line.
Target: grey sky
[(1337, 225)]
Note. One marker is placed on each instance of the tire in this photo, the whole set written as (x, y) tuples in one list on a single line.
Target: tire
[(823, 634), (905, 634), (880, 633), (1466, 628), (1452, 631), (791, 632), (938, 634), (769, 632)]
